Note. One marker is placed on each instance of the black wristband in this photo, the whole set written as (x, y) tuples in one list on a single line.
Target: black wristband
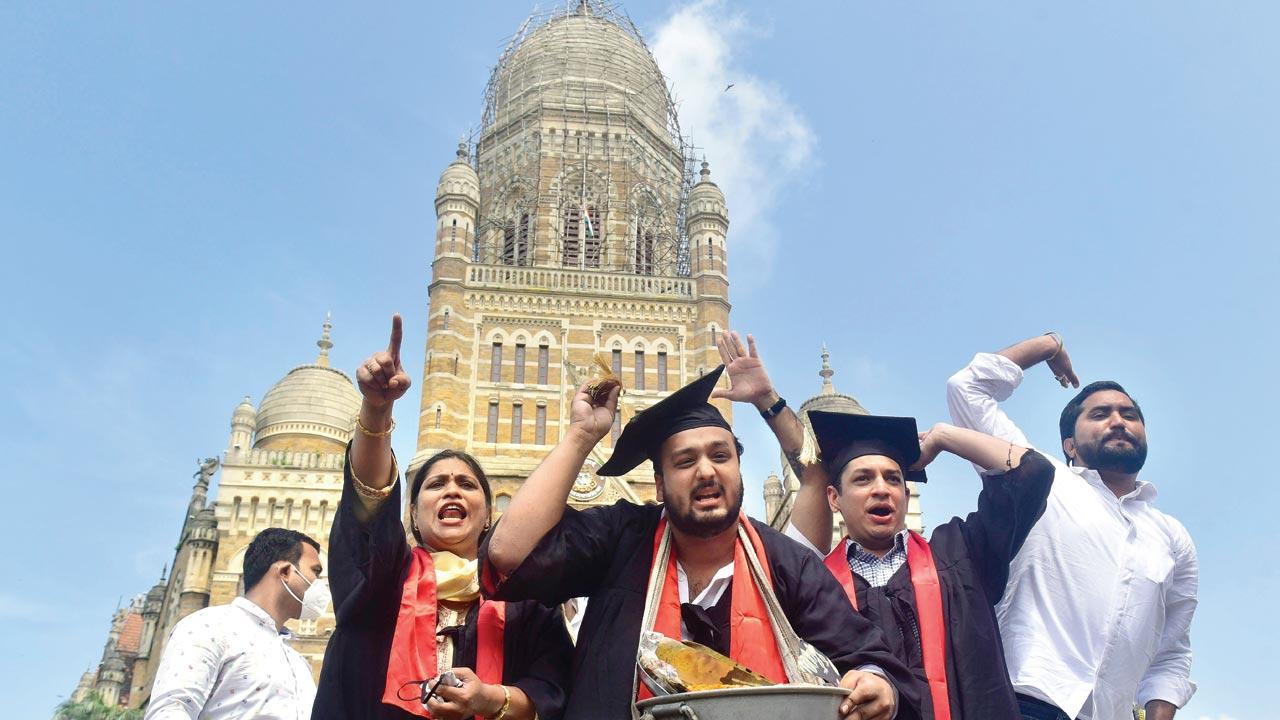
[(773, 410)]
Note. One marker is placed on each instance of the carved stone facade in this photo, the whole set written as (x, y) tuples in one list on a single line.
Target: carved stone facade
[(574, 227)]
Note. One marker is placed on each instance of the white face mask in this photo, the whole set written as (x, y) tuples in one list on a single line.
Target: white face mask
[(315, 600)]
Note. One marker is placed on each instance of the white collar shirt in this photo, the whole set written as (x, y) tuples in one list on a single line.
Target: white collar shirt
[(1097, 612), (709, 596), (229, 661)]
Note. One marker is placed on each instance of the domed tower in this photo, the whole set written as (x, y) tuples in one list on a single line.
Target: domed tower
[(287, 474), (243, 420), (772, 495), (575, 211), (111, 679), (312, 409)]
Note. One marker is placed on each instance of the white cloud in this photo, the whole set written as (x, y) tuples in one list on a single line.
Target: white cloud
[(756, 141)]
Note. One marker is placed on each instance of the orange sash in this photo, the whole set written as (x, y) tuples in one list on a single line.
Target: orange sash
[(413, 646), (933, 632), (751, 639)]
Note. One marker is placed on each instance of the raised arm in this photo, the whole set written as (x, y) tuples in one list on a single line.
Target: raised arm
[(750, 383), (975, 392), (540, 502), (990, 453), (382, 381)]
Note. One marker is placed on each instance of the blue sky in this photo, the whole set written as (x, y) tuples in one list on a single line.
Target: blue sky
[(186, 189)]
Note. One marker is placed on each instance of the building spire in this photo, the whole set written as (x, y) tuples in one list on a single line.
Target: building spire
[(705, 172), (462, 149), (826, 372), (324, 343)]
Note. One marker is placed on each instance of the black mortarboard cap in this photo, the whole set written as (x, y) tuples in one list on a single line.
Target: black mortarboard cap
[(843, 437), (684, 409)]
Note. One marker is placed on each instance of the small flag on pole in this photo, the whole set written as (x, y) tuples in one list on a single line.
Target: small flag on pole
[(591, 231)]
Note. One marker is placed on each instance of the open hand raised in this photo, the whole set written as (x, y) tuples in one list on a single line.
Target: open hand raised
[(748, 381), (382, 378)]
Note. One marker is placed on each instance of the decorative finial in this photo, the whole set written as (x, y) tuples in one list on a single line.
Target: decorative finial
[(826, 372), (164, 573), (583, 7), (705, 172), (324, 343), (462, 149)]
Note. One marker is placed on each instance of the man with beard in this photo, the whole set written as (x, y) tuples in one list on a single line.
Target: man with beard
[(696, 562), (1097, 612), (932, 597)]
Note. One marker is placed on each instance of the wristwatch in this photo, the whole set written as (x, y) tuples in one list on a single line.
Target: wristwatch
[(774, 409)]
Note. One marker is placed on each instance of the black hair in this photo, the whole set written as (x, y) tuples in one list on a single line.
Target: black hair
[(655, 455), (269, 547), (1071, 413), (421, 476)]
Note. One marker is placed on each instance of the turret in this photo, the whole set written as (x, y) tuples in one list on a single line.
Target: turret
[(708, 226), (772, 496), (457, 207), (243, 419)]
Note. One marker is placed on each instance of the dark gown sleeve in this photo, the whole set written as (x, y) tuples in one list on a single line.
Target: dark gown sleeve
[(543, 651), (571, 560), (821, 615), (366, 560), (1008, 507)]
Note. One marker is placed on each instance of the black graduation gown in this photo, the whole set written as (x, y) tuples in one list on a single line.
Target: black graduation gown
[(972, 557), (605, 553), (368, 565)]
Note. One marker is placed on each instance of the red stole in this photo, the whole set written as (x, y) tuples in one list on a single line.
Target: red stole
[(751, 639), (413, 646), (933, 628)]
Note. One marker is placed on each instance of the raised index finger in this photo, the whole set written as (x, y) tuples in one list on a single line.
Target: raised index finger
[(397, 334)]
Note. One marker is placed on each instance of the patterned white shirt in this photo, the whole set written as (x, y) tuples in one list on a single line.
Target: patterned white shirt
[(229, 661), (1097, 612)]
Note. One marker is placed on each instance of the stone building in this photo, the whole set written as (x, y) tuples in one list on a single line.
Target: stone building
[(780, 492), (574, 226), (282, 468)]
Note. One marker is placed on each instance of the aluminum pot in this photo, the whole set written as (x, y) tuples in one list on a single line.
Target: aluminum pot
[(776, 702)]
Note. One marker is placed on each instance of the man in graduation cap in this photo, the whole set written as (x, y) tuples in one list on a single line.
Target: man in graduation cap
[(932, 598), (705, 591)]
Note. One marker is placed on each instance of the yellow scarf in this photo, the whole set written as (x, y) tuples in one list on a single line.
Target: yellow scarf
[(456, 579)]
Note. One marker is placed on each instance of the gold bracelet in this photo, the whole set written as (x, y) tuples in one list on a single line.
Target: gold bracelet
[(370, 433), (1058, 339), (373, 493), (506, 704)]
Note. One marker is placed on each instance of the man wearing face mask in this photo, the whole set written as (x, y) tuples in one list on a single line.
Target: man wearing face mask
[(1097, 614), (234, 661)]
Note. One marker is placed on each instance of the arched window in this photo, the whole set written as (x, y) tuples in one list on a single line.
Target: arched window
[(515, 241), (583, 238), (644, 251)]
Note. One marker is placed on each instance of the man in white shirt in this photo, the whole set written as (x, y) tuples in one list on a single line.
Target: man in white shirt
[(1097, 613), (234, 661)]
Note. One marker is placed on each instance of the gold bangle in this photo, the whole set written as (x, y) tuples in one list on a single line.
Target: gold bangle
[(506, 703), (370, 433), (372, 493), (1058, 339)]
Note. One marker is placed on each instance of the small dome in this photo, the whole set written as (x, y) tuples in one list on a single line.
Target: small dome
[(460, 178), (244, 412), (706, 191), (311, 409)]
